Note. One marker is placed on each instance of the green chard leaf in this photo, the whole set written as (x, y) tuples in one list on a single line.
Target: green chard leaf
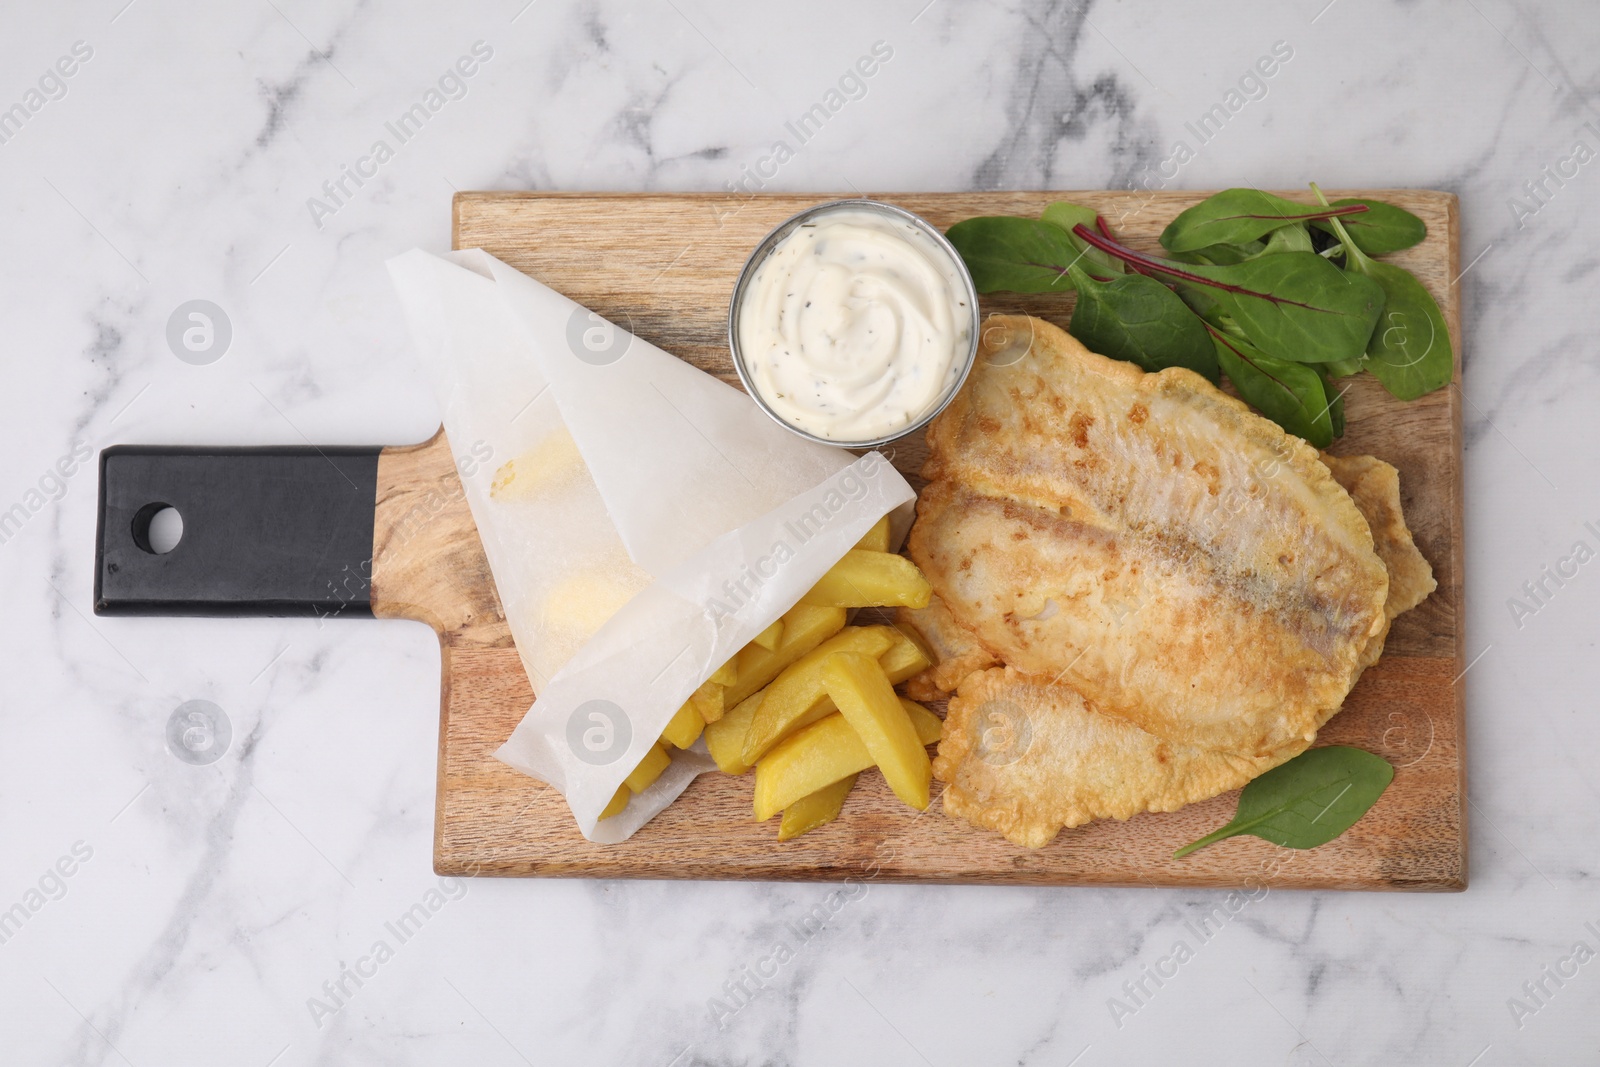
[(1343, 368), (1335, 406), (1015, 254), (1200, 302), (1410, 351), (1235, 216), (1222, 255), (1292, 238), (1295, 306), (1308, 801), (1381, 229), (1067, 215), (1290, 394), (1137, 319)]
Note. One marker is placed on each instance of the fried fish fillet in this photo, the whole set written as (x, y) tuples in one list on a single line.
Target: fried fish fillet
[(957, 651), (1374, 486), (1177, 560), (1026, 757)]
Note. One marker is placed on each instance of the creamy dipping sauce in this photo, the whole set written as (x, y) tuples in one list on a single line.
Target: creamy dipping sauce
[(855, 326)]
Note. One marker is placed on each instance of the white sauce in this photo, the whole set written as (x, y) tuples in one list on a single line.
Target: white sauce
[(855, 326)]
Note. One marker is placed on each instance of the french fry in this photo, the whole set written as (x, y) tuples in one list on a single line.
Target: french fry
[(820, 755), (725, 674), (864, 579), (917, 639), (877, 538), (868, 703), (905, 658), (900, 661), (649, 769), (798, 697), (685, 726), (929, 726), (708, 701), (619, 800), (768, 638), (805, 626), (725, 737), (814, 809)]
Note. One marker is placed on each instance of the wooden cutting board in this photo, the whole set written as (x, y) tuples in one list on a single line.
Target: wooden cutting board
[(663, 266)]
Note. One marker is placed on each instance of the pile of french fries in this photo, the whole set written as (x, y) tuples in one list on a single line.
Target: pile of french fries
[(810, 703)]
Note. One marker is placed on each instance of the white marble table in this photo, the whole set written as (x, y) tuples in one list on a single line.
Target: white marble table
[(209, 909)]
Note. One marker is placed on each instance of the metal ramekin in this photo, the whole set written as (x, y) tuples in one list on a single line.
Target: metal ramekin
[(783, 229)]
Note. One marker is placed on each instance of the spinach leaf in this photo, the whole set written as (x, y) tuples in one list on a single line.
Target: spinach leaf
[(1410, 351), (1292, 238), (1222, 255), (1343, 368), (1290, 394), (1200, 302), (1067, 215), (1297, 305), (1381, 229), (1335, 406), (1308, 801), (1019, 255), (1294, 306), (1137, 319), (1235, 216)]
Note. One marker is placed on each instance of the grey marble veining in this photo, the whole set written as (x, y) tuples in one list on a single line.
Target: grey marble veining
[(233, 912)]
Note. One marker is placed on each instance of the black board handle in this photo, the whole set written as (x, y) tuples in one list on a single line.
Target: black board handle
[(266, 531)]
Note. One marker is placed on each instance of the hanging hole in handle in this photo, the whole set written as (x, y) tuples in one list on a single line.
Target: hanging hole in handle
[(157, 528)]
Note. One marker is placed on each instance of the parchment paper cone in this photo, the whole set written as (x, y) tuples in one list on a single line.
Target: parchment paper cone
[(690, 522)]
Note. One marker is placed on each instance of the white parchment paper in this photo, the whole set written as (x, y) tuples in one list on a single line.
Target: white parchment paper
[(643, 520)]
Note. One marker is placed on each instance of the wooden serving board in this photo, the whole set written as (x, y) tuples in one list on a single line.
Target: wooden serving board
[(664, 267)]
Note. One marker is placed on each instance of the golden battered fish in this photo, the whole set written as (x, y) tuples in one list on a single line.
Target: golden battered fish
[(1146, 540), (1374, 486), (1026, 757), (957, 651)]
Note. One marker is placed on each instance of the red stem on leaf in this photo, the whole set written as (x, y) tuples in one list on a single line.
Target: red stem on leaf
[(1161, 266), (1223, 338), (1100, 221), (1309, 216)]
